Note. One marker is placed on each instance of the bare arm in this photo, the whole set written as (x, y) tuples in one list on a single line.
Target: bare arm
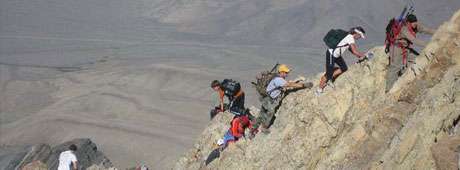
[(354, 50), (413, 39), (75, 165), (222, 105), (293, 85), (424, 29)]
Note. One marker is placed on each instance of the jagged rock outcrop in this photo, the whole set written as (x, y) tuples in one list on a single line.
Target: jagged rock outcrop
[(357, 125), (43, 156), (35, 165)]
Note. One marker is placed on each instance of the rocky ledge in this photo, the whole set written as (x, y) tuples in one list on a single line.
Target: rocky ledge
[(43, 156), (357, 125)]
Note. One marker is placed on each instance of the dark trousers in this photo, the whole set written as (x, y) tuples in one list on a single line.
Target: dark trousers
[(238, 104), (330, 65)]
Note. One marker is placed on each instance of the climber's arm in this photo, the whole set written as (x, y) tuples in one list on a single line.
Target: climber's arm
[(413, 39), (356, 52), (424, 29), (291, 84)]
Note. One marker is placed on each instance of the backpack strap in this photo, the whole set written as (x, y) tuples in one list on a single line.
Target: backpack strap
[(392, 37), (339, 47), (331, 54), (406, 49), (238, 94), (277, 88)]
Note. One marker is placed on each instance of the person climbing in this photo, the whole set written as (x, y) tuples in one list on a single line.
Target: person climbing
[(229, 96), (68, 160), (275, 91), (400, 37), (238, 125), (218, 98), (339, 41)]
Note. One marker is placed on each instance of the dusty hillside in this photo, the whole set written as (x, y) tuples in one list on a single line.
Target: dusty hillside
[(356, 125), (127, 113)]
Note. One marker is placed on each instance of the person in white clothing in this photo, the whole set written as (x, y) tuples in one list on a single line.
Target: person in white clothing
[(67, 159), (347, 43)]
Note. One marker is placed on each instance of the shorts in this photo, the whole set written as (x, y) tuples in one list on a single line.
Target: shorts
[(330, 65)]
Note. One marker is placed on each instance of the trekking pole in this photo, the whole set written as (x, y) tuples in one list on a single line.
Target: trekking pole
[(403, 13), (362, 60), (274, 67), (412, 5)]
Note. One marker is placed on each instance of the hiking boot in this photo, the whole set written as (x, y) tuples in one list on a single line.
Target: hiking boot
[(330, 84), (318, 91)]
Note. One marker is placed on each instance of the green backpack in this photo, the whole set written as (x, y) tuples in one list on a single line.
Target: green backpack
[(263, 79), (334, 36)]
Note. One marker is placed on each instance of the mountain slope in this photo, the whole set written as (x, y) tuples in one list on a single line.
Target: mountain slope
[(138, 71), (356, 125), (291, 22)]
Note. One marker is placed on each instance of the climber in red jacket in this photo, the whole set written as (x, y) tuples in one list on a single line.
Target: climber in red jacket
[(236, 131)]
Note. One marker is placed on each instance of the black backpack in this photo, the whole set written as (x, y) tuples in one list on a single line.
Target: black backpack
[(333, 37), (231, 88)]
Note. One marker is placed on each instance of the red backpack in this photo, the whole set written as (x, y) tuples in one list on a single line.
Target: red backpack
[(394, 28), (392, 31)]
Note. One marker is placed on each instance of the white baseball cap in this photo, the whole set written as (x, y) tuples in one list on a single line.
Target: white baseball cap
[(360, 33)]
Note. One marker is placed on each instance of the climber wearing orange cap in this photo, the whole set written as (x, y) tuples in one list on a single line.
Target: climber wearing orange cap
[(275, 91)]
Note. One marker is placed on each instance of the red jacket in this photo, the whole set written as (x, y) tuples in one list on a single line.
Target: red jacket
[(239, 124)]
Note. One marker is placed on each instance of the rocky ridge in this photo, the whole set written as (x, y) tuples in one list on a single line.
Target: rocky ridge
[(357, 125), (43, 156)]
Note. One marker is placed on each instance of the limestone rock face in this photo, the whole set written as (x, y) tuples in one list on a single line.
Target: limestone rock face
[(357, 125)]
